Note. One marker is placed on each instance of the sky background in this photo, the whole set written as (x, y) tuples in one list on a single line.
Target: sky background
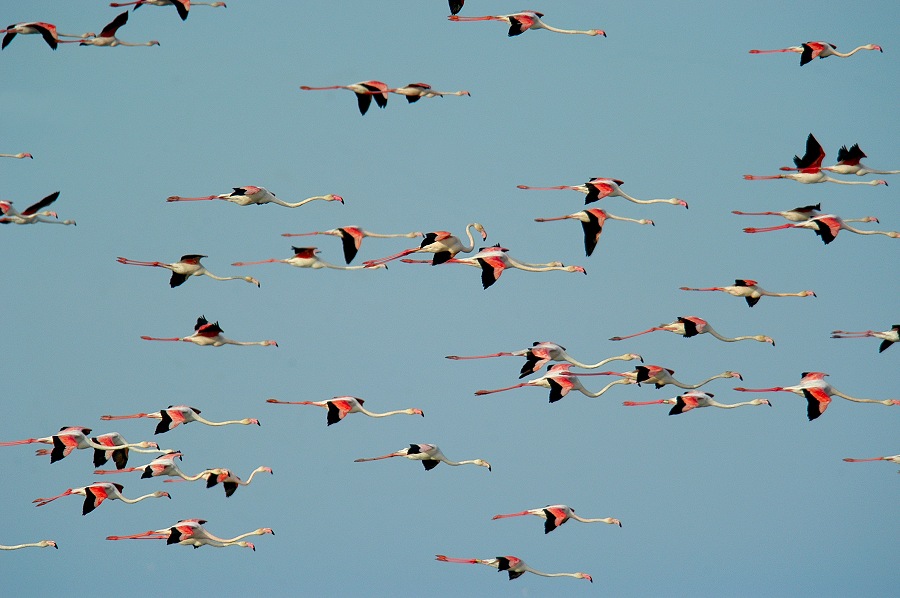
[(748, 502)]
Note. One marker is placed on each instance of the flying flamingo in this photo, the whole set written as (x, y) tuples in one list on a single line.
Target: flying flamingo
[(94, 495), (182, 6), (695, 398), (751, 291), (32, 213), (827, 226), (688, 326), (415, 91), (191, 532), (108, 37), (494, 260), (555, 515), (174, 415), (811, 50), (117, 449), (41, 544), (189, 265), (800, 214), (512, 565), (889, 337), (20, 155), (430, 456), (817, 392), (660, 376), (893, 459), (46, 30), (849, 162), (209, 334), (351, 237), (305, 257), (340, 407), (256, 196), (560, 380), (164, 465), (225, 477), (441, 243), (597, 188), (592, 221), (520, 22), (70, 438), (540, 353), (364, 90)]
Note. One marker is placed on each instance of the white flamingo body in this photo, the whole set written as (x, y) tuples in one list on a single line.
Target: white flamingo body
[(340, 407), (555, 515), (94, 495), (514, 566), (307, 257), (750, 290), (541, 353), (251, 195), (520, 22), (429, 454), (174, 415), (827, 227), (209, 334), (189, 265)]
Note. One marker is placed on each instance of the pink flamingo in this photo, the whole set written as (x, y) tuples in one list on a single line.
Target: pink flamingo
[(306, 257), (45, 30), (208, 334), (187, 266), (218, 475), (751, 291), (494, 260), (688, 326), (827, 227), (340, 407), (520, 22), (592, 221), (800, 214), (597, 188), (695, 399), (888, 337), (555, 515), (182, 6), (174, 415), (20, 155), (817, 392), (94, 495), (41, 544), (164, 465), (660, 376), (812, 50), (849, 162), (32, 214), (70, 438), (351, 238), (512, 565), (560, 380), (540, 353), (893, 459), (108, 37), (441, 243), (415, 91), (190, 532), (430, 456), (364, 90), (256, 196)]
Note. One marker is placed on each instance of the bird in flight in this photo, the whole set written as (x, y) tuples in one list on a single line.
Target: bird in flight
[(520, 22), (209, 334), (812, 50)]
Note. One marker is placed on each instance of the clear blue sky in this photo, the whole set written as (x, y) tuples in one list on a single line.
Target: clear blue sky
[(748, 502)]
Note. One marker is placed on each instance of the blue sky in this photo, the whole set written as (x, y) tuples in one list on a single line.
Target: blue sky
[(748, 502)]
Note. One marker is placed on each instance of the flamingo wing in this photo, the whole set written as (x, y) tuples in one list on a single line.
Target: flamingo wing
[(456, 6), (691, 325), (491, 269), (817, 402), (850, 157), (592, 229), (33, 209), (559, 387), (597, 191), (338, 410), (8, 37), (683, 403), (827, 229), (351, 238), (813, 156), (553, 519), (93, 498), (177, 279), (113, 26)]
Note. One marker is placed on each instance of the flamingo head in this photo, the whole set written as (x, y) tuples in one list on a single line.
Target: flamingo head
[(376, 266), (576, 269), (873, 47), (27, 155), (482, 463), (45, 543), (417, 412), (581, 575), (880, 182), (265, 530), (267, 470), (734, 375), (153, 42), (251, 420), (160, 494), (632, 356), (148, 444), (809, 294), (597, 32), (333, 197), (219, 4), (678, 202), (249, 545), (761, 402), (270, 344), (869, 219), (765, 339), (480, 229)]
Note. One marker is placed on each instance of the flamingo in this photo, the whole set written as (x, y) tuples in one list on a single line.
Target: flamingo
[(208, 334), (174, 415), (351, 237), (541, 353), (751, 291), (688, 326), (817, 392), (494, 260), (800, 214), (888, 337), (560, 380), (592, 221), (20, 155), (182, 6), (305, 257), (512, 565), (416, 91), (849, 163), (555, 515), (893, 459), (225, 477), (660, 376), (520, 22), (187, 266), (430, 456), (441, 243), (695, 398), (190, 532), (811, 50), (45, 30), (257, 196), (70, 438), (108, 37), (340, 407), (32, 214), (164, 465), (597, 188), (94, 495), (827, 227), (41, 544), (364, 90)]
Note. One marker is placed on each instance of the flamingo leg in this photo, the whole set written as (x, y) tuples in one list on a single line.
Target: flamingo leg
[(277, 402), (379, 458), (43, 501), (123, 260), (480, 356), (636, 403), (487, 392), (151, 338), (767, 229), (179, 198), (269, 261), (134, 416), (621, 338)]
